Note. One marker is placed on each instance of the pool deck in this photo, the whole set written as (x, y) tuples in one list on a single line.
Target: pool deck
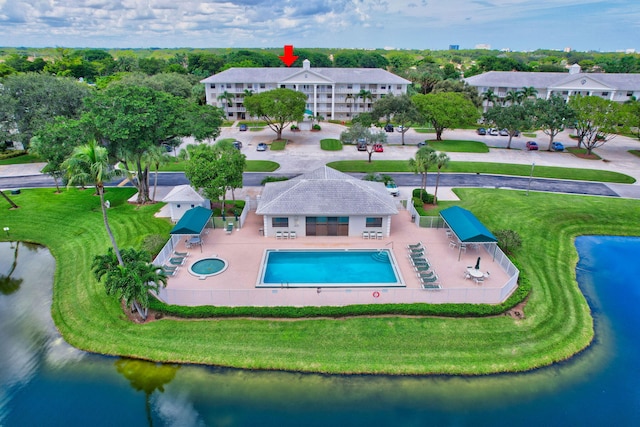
[(244, 250)]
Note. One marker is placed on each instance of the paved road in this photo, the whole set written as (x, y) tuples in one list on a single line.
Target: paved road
[(402, 179)]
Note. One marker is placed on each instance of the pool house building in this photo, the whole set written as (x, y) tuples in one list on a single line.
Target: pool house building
[(326, 202)]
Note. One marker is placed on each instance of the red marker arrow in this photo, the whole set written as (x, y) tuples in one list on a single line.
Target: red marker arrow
[(288, 58)]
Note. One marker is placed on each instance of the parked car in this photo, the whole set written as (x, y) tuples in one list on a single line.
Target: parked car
[(362, 144), (504, 132), (261, 147), (243, 127), (422, 144), (557, 146), (492, 131), (237, 144), (481, 131), (532, 145), (392, 188), (388, 127), (378, 148), (399, 128)]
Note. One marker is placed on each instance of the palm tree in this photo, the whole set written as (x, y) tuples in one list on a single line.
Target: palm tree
[(364, 94), (157, 156), (514, 97), (441, 161), (13, 205), (348, 98), (425, 158), (227, 99), (489, 96), (90, 163), (529, 92), (248, 92), (132, 280)]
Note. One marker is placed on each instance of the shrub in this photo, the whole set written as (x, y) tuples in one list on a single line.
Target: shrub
[(419, 205), (12, 154), (508, 240), (273, 179), (316, 127), (426, 197), (294, 127)]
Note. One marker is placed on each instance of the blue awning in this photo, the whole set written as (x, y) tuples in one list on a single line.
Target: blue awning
[(466, 226), (193, 221)]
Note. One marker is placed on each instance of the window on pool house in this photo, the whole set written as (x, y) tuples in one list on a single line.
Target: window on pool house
[(374, 221), (280, 222)]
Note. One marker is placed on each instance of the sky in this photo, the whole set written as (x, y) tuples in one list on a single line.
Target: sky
[(601, 25)]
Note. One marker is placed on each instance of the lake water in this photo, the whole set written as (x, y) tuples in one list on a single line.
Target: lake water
[(44, 381)]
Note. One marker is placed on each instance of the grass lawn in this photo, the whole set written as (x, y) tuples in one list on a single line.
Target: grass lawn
[(252, 166), (582, 153), (330, 144), (488, 168), (458, 146), (424, 130), (278, 145), (557, 321), (19, 160), (635, 152)]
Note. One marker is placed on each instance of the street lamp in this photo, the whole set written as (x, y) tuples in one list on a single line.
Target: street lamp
[(530, 177), (6, 230)]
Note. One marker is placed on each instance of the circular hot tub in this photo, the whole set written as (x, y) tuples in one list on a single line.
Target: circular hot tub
[(207, 267)]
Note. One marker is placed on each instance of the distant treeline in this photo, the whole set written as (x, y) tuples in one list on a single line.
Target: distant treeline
[(91, 64)]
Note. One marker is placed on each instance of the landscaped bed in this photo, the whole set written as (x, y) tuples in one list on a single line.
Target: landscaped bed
[(556, 322)]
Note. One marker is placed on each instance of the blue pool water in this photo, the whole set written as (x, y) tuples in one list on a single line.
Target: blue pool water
[(329, 268)]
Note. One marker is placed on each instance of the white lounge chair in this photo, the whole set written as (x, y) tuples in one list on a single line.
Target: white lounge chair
[(292, 234), (365, 234)]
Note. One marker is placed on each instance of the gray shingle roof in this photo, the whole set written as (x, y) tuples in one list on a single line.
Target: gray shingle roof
[(517, 79), (276, 75), (183, 193), (326, 192)]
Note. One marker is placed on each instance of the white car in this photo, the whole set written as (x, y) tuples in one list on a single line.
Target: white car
[(392, 188)]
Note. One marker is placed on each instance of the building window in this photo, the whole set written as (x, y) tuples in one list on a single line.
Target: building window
[(605, 93), (178, 206), (399, 87), (213, 86), (383, 87), (374, 222), (630, 93), (283, 86), (349, 86), (228, 85), (262, 85), (280, 222)]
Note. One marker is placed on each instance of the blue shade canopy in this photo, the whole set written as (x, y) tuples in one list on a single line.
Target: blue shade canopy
[(466, 226), (193, 221)]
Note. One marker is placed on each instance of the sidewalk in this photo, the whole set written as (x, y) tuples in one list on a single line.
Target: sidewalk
[(27, 169)]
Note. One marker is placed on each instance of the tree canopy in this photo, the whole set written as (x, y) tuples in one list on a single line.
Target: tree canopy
[(446, 110), (400, 109), (598, 120), (515, 118), (278, 107), (552, 115)]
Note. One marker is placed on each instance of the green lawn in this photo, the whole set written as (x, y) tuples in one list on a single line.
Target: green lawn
[(424, 130), (635, 152), (330, 144), (19, 160), (278, 145), (488, 168), (458, 146), (252, 166), (557, 321)]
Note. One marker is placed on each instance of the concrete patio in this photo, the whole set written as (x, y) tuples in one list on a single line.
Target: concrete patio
[(244, 249)]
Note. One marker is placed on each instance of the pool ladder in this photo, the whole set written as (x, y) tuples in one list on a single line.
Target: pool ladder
[(380, 256)]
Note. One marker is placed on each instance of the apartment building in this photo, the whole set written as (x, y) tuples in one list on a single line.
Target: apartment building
[(332, 93)]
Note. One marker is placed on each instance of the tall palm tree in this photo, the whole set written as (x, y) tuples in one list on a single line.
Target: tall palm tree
[(489, 96), (529, 92), (90, 163), (441, 161), (348, 98), (248, 92), (227, 100), (364, 94), (514, 97), (425, 158), (11, 202), (157, 156)]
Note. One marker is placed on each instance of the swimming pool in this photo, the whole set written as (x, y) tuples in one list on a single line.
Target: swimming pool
[(329, 268), (208, 267)]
